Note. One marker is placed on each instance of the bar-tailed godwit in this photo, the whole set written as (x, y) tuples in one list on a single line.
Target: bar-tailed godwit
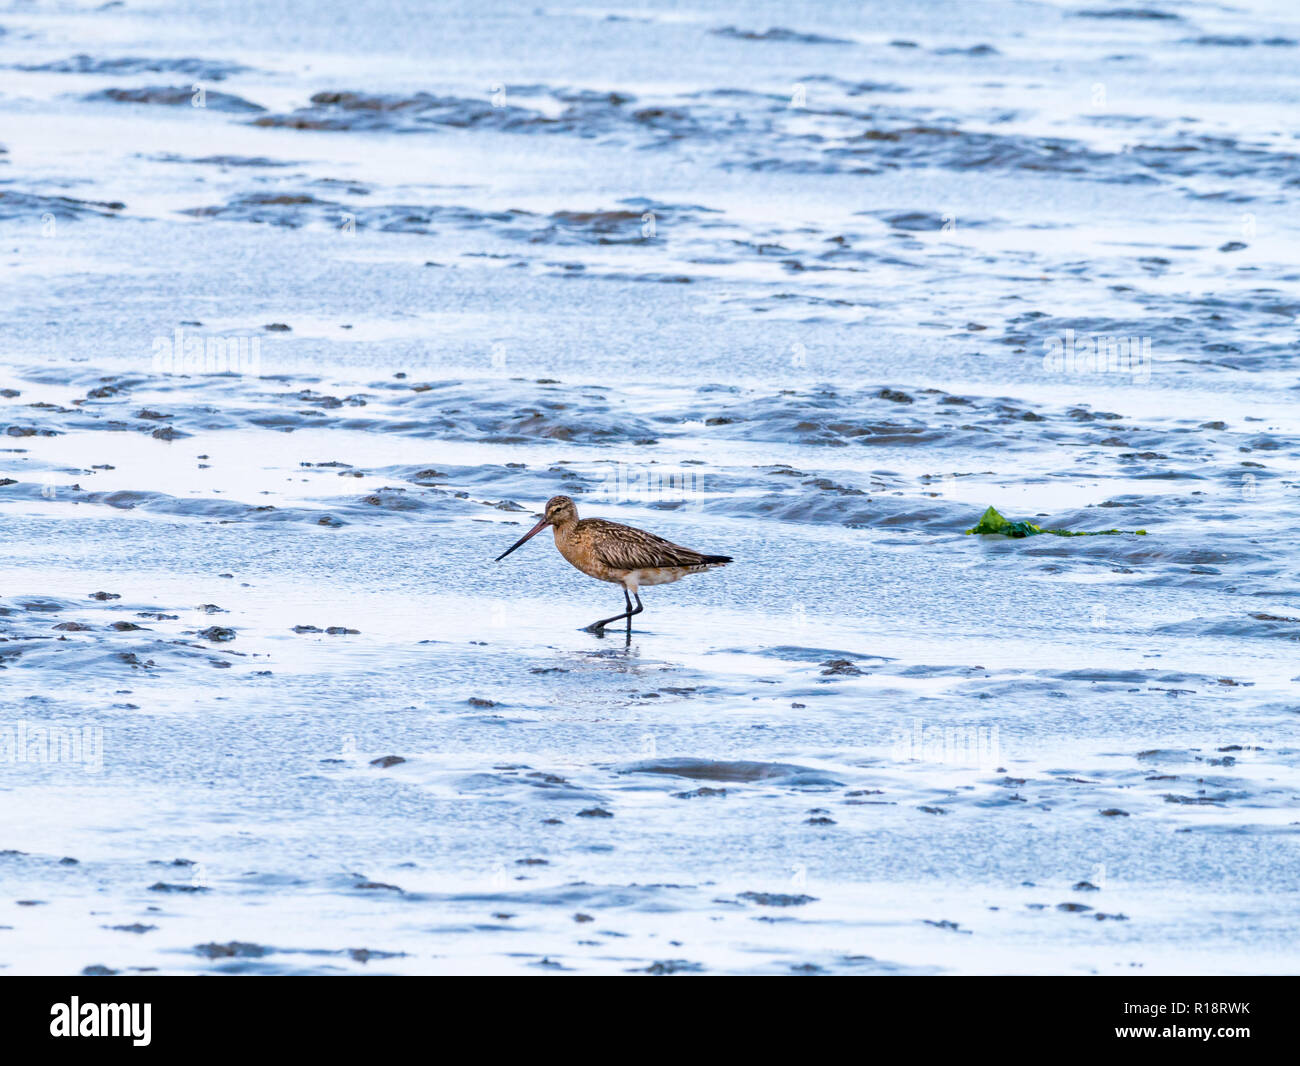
[(621, 555)]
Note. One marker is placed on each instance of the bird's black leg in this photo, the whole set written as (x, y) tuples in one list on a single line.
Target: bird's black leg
[(631, 612), (599, 627), (627, 642)]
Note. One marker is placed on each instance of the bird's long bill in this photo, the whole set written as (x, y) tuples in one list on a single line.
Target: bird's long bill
[(527, 536)]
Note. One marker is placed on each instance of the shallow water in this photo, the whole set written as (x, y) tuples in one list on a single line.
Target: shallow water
[(809, 288)]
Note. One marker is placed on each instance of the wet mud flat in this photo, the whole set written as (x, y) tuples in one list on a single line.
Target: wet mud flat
[(285, 371), (302, 675)]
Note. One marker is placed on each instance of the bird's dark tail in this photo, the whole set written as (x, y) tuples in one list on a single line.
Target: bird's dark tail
[(716, 560)]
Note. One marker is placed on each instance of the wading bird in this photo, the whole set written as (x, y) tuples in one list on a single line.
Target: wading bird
[(619, 554)]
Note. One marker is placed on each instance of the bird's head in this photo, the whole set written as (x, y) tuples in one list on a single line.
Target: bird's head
[(559, 512)]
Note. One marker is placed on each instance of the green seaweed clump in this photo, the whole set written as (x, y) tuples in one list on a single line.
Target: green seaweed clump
[(993, 522)]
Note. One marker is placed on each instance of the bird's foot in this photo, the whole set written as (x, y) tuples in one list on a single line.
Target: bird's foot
[(596, 627)]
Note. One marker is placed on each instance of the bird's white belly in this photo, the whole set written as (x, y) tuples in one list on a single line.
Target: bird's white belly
[(663, 575), (655, 575)]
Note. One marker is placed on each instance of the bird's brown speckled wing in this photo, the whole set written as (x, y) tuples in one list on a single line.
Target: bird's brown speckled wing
[(626, 548)]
